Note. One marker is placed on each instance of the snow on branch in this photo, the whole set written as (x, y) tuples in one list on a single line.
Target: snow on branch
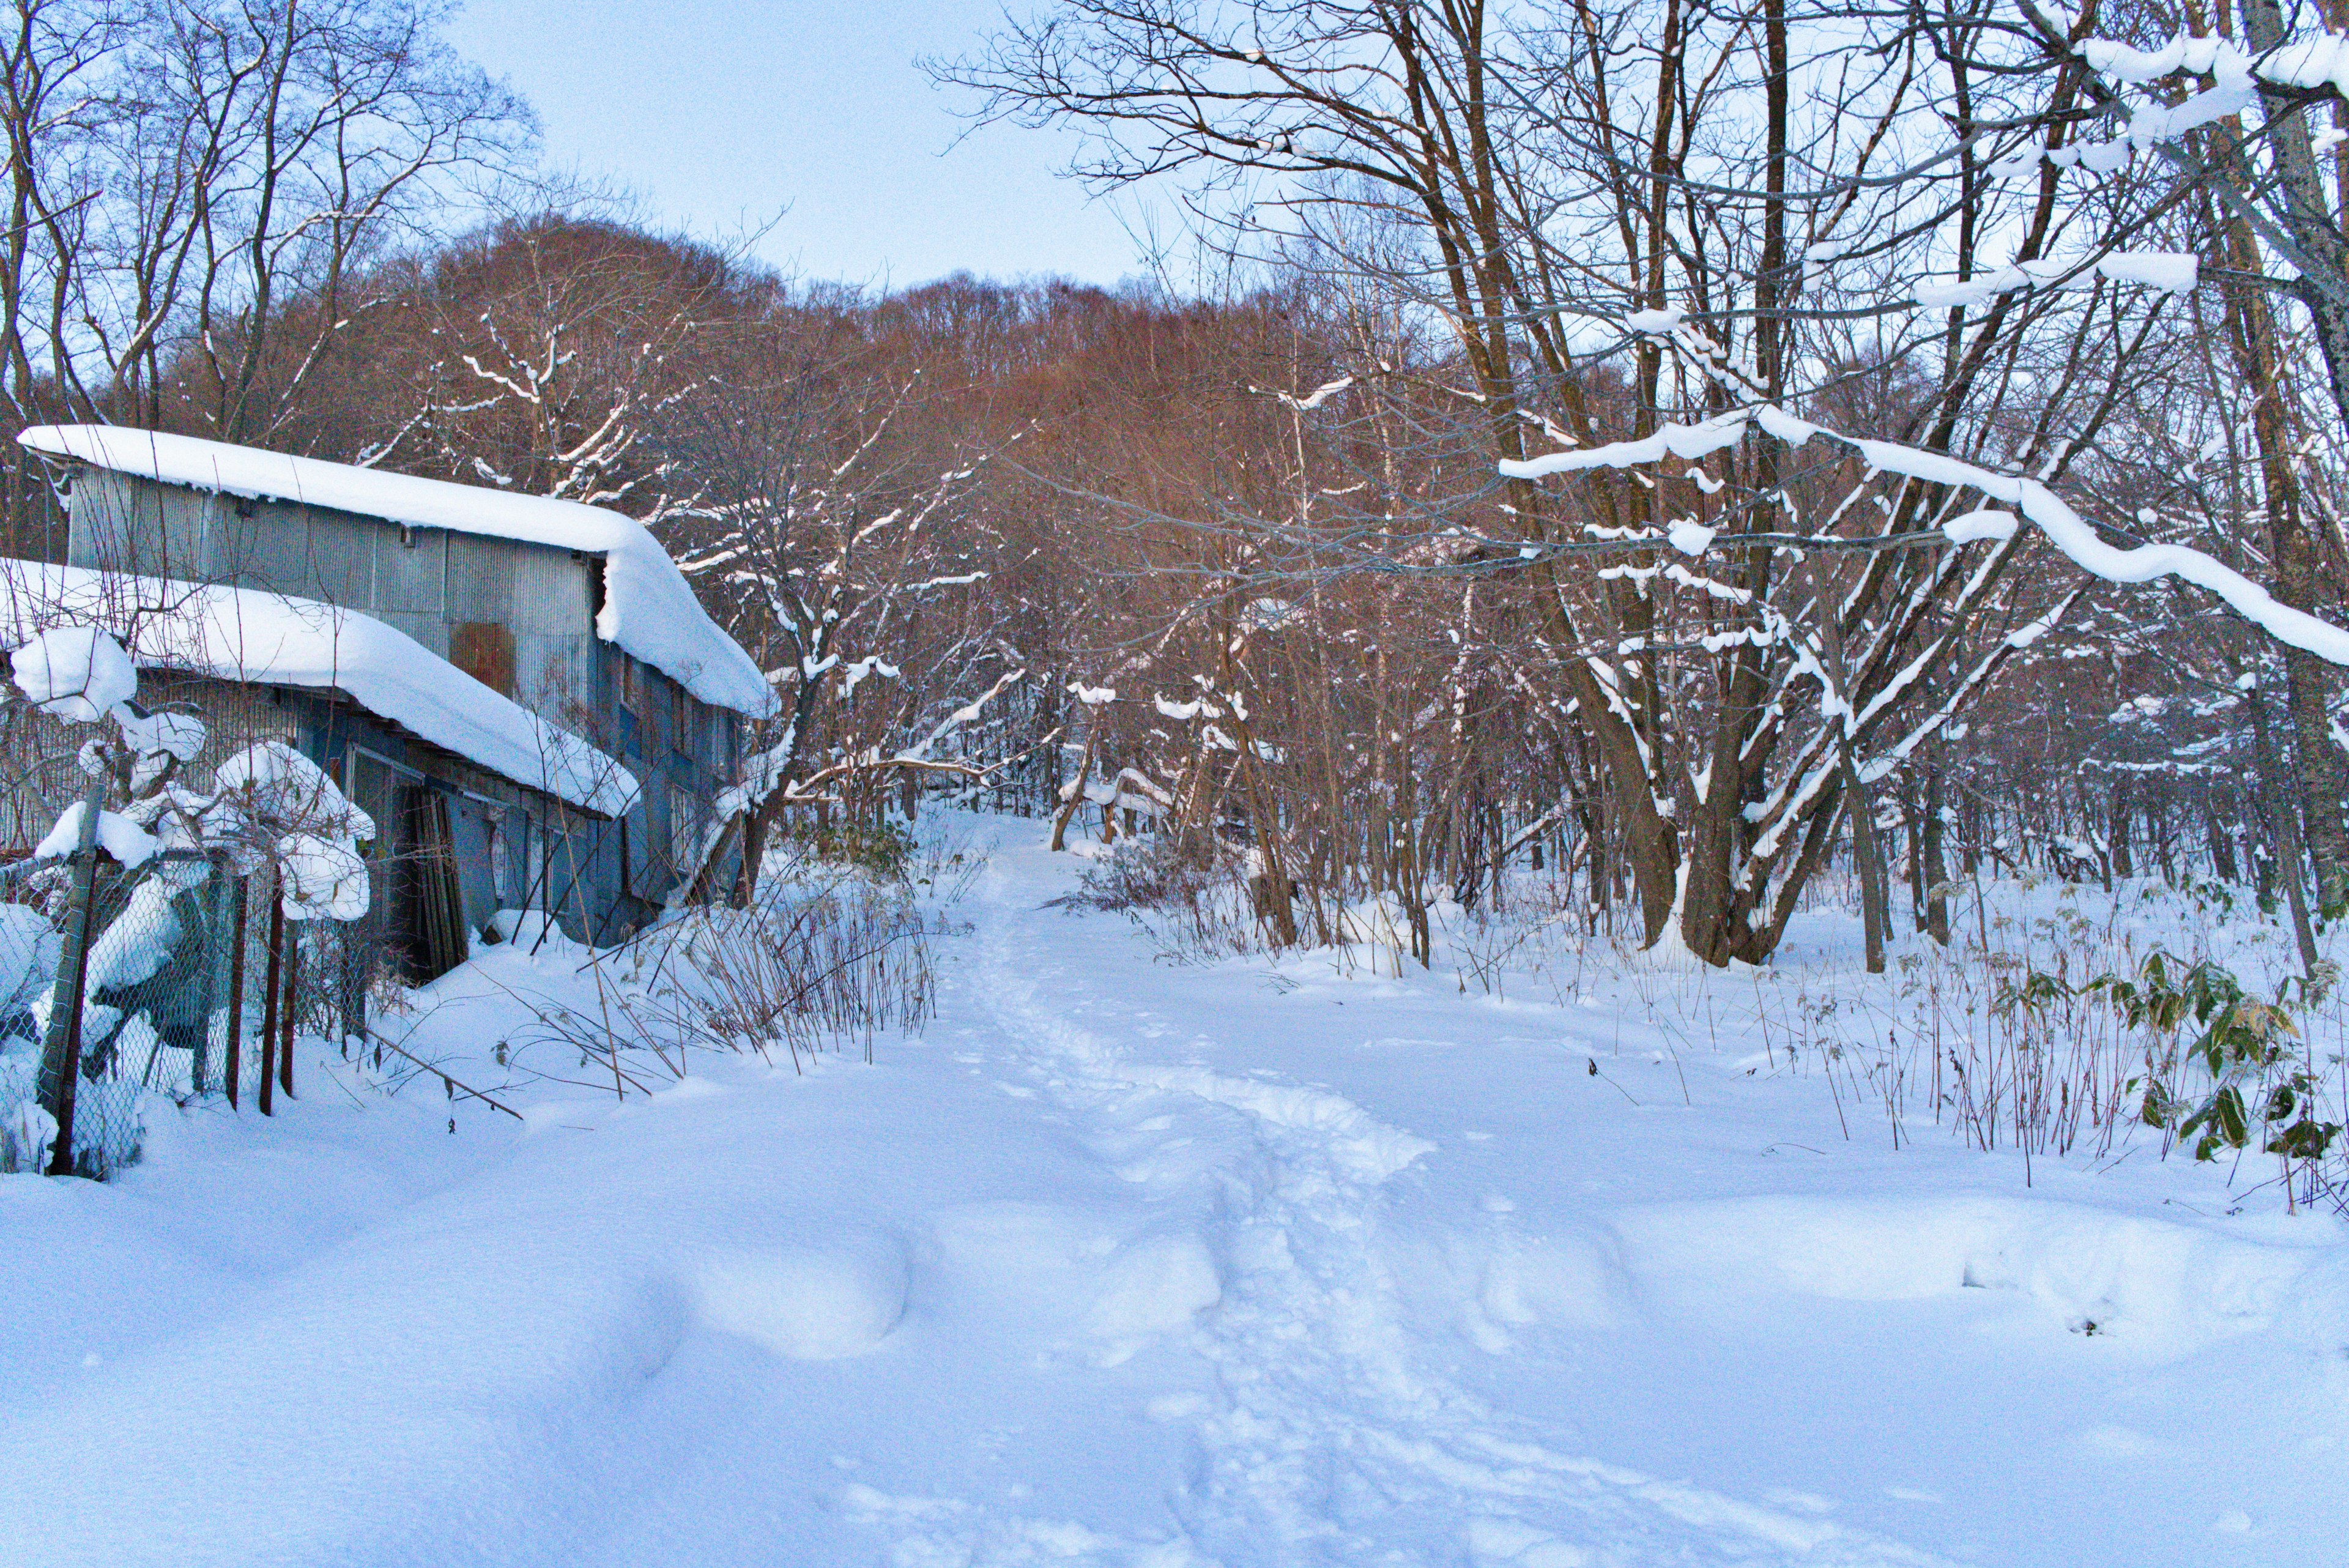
[(2166, 272), (1672, 441), (1134, 782), (961, 716), (2039, 506), (1313, 399)]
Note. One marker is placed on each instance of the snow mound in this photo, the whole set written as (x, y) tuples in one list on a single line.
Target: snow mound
[(1155, 1284), (1670, 955), (2163, 1286), (806, 1303), (1499, 1541), (534, 934), (1488, 1284)]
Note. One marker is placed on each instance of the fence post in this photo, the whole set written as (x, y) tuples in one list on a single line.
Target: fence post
[(215, 917), (352, 985), (293, 992), (269, 999), (61, 1047), (234, 1068)]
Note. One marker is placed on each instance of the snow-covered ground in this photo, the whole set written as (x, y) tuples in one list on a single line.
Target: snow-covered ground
[(1126, 1262)]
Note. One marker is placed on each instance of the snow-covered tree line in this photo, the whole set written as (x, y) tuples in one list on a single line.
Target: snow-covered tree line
[(1796, 372), (1690, 448)]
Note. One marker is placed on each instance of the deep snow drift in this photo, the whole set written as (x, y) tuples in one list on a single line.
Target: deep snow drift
[(1128, 1263)]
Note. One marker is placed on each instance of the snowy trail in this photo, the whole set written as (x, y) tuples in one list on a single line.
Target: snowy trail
[(1330, 1439), (1136, 1265)]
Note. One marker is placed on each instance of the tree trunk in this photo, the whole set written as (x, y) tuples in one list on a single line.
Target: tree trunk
[(1936, 867), (2122, 817), (1072, 794), (1862, 817), (2323, 259), (2283, 830), (2252, 341), (2222, 842)]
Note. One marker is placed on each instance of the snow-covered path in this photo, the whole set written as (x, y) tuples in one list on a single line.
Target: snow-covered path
[(1330, 1437), (1125, 1263)]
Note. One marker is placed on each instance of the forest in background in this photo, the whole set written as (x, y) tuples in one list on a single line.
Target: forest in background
[(1689, 450)]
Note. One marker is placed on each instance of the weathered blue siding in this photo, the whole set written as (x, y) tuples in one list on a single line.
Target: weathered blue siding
[(602, 878)]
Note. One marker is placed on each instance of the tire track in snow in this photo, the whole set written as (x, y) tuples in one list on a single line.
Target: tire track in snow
[(1336, 1442)]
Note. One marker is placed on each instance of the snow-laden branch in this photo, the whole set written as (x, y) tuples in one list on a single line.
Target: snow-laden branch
[(2038, 505), (960, 716), (1313, 399), (2310, 64)]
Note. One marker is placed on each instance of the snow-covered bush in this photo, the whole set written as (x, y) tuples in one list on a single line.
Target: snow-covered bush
[(150, 909), (282, 808), (1150, 871), (325, 878), (128, 844), (77, 674), (823, 958), (2063, 1024), (817, 962)]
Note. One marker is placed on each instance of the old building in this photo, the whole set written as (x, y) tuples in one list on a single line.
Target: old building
[(369, 584)]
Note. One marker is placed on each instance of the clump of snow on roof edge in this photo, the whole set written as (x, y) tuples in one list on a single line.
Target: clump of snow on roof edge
[(276, 639), (649, 609)]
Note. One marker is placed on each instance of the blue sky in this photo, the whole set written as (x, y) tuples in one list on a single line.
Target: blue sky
[(718, 115)]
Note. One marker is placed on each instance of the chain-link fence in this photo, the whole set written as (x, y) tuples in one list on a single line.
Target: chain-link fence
[(176, 958)]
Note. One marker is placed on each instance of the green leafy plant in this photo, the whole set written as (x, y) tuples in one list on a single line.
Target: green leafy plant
[(2242, 1043)]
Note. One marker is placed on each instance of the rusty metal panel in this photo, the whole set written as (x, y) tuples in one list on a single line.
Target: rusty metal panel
[(484, 649)]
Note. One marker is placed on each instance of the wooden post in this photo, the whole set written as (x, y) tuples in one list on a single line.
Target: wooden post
[(234, 1068), (217, 896), (292, 983), (61, 1050), (269, 1000)]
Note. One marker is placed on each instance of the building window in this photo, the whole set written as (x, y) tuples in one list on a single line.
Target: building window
[(628, 693), (637, 852), (624, 679), (502, 871)]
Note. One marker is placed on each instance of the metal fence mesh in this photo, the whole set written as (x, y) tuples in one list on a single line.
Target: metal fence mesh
[(164, 991)]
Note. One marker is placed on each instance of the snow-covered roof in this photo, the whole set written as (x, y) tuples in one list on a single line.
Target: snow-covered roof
[(274, 639), (648, 607)]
